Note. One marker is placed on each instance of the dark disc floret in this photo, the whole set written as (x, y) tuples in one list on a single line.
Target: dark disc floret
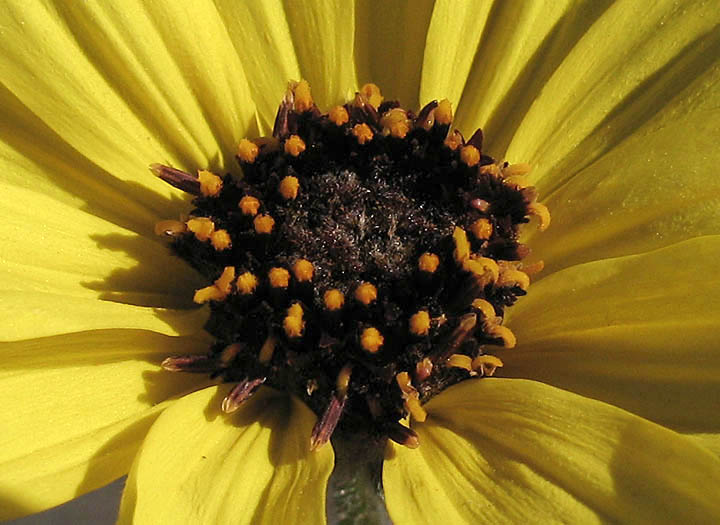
[(362, 262)]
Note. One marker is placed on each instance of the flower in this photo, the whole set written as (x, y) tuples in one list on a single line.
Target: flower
[(615, 106)]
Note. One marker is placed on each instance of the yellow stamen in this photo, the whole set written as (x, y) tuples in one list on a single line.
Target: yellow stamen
[(246, 283), (338, 115), (490, 169), (487, 364), (485, 308), (209, 293), (504, 333), (417, 412), (288, 187), (263, 223), (428, 262), (210, 184), (443, 112), (454, 140), (516, 170), (542, 213), (334, 299), (371, 339), (247, 151), (486, 269), (423, 369), (533, 268), (460, 361), (303, 270), (202, 227), (293, 324), (249, 205), (220, 240), (294, 145), (470, 155), (170, 227), (343, 380), (224, 282), (462, 245), (362, 133), (512, 277), (482, 229), (267, 350), (366, 293), (303, 97), (395, 123), (373, 95), (420, 323), (279, 277), (403, 381)]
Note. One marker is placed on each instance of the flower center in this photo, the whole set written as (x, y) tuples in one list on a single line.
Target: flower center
[(362, 262)]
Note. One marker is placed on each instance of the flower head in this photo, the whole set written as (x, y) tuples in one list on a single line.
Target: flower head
[(613, 106)]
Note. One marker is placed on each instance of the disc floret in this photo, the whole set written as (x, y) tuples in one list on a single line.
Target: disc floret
[(363, 262)]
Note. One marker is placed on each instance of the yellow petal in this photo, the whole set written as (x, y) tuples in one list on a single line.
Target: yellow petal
[(323, 33), (261, 36), (523, 42), (710, 441), (200, 466), (129, 85), (631, 61), (654, 188), (513, 451), (639, 332), (452, 38), (390, 45), (75, 408)]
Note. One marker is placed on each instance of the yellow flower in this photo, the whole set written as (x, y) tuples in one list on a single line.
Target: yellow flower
[(616, 108)]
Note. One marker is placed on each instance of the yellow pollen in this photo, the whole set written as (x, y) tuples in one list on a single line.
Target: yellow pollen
[(230, 352), (460, 361), (288, 187), (303, 270), (423, 369), (371, 339), (428, 262), (417, 412), (170, 227), (484, 268), (373, 95), (249, 205), (504, 333), (202, 227), (454, 140), (246, 283), (395, 123), (482, 229), (403, 381), (362, 133), (512, 277), (486, 364), (247, 151), (294, 145), (267, 350), (293, 324), (263, 223), (343, 380), (220, 240), (542, 213), (279, 277), (303, 97), (485, 308), (443, 112), (334, 299), (470, 155), (366, 293), (462, 245), (338, 115), (209, 293), (420, 323), (224, 282), (533, 268), (210, 184)]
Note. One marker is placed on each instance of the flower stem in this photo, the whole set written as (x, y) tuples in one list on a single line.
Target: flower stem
[(355, 494)]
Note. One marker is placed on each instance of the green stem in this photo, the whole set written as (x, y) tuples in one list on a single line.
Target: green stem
[(355, 491)]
